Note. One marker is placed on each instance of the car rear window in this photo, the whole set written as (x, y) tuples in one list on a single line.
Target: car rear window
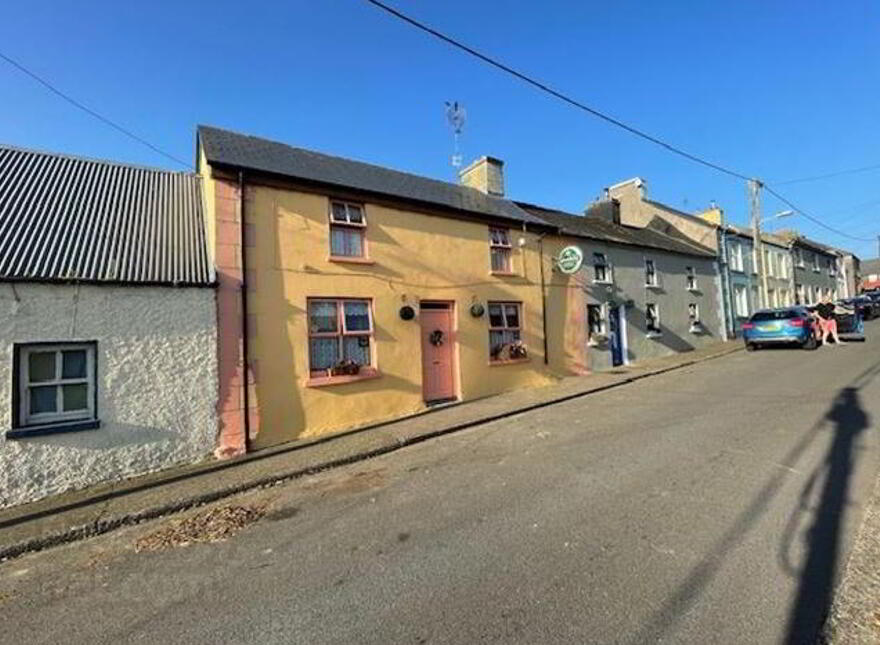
[(785, 314)]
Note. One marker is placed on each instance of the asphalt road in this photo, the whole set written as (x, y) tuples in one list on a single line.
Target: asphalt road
[(714, 504)]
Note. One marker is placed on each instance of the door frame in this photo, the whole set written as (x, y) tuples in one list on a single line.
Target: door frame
[(454, 349), (624, 345)]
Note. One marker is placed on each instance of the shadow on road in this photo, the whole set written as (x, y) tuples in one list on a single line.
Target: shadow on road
[(847, 420)]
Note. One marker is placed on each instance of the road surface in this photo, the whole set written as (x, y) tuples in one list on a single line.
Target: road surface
[(713, 504)]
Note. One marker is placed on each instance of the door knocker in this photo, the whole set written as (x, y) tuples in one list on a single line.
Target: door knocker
[(436, 338)]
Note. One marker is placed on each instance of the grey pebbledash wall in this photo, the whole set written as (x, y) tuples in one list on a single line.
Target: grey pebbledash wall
[(156, 384)]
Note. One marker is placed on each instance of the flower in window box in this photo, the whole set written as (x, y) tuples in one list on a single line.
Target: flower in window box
[(518, 350), (345, 368)]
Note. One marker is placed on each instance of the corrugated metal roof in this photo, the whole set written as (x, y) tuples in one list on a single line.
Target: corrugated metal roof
[(243, 151), (69, 218)]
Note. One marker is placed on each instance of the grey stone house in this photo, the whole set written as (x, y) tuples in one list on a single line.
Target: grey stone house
[(638, 294), (816, 269)]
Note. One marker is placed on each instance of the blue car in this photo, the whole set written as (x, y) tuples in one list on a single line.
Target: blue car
[(785, 326)]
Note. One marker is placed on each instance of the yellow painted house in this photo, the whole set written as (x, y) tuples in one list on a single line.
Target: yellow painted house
[(351, 294)]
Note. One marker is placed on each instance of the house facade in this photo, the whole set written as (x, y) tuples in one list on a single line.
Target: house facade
[(369, 294), (107, 323), (816, 269), (637, 294)]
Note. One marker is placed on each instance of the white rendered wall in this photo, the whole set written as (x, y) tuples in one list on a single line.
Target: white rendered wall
[(157, 383)]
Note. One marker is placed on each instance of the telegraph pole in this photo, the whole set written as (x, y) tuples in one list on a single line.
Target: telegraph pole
[(754, 187)]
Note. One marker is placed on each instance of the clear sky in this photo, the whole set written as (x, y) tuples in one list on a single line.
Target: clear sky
[(779, 90)]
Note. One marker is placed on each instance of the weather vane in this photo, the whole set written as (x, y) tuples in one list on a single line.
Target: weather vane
[(456, 116)]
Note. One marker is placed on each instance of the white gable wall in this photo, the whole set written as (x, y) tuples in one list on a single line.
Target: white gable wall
[(156, 382)]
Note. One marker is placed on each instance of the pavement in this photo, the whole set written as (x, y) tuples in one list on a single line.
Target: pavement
[(99, 509), (717, 503)]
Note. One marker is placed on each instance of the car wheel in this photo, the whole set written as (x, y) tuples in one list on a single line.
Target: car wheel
[(750, 347), (810, 343)]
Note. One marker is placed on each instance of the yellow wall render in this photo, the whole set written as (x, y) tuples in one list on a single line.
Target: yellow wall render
[(417, 257)]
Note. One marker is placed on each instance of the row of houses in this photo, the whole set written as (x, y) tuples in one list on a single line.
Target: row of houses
[(152, 318)]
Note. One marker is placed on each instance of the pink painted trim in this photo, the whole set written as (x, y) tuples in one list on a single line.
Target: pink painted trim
[(325, 381), (347, 259), (512, 361)]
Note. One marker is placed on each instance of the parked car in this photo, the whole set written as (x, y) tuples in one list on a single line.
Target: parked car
[(784, 326), (850, 325), (868, 307)]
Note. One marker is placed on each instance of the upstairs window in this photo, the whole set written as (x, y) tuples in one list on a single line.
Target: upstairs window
[(816, 262), (736, 256), (505, 329), (601, 270), (340, 335), (694, 314), (500, 250), (783, 265), (652, 319), (348, 226), (650, 273), (691, 278), (56, 383), (799, 258), (832, 267)]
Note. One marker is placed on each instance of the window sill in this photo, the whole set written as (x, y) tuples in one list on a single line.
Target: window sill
[(504, 273), (343, 259), (24, 432), (697, 329), (608, 282), (653, 286), (326, 381), (510, 361), (694, 290), (654, 334)]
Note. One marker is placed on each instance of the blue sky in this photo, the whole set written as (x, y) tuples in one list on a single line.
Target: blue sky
[(778, 90)]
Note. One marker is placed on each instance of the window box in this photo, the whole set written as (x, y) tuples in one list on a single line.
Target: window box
[(365, 374), (350, 260), (55, 389)]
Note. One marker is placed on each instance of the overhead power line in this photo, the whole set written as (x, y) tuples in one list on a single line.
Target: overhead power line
[(620, 124), (91, 112), (815, 220), (840, 173), (546, 88)]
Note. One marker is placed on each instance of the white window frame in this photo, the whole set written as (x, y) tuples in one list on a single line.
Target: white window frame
[(601, 260), (28, 420), (349, 225), (736, 256), (653, 333), (690, 274), (503, 248), (603, 323), (694, 321), (651, 279), (799, 258), (741, 301), (816, 265)]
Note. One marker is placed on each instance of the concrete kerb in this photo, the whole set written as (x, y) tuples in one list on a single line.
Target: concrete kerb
[(104, 525)]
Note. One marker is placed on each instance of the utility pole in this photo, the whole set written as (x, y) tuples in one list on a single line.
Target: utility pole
[(755, 187)]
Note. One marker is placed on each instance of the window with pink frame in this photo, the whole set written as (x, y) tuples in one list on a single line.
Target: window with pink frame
[(340, 332), (348, 226)]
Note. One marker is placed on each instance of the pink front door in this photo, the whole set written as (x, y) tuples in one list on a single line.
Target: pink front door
[(438, 356)]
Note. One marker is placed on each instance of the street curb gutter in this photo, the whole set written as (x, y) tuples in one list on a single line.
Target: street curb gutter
[(105, 525)]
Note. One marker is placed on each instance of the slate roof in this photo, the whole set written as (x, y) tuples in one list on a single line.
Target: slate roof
[(226, 148), (796, 238), (597, 228), (65, 218)]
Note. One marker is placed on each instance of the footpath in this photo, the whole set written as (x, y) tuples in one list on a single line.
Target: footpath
[(99, 509)]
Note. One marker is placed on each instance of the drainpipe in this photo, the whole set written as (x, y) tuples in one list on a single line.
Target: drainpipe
[(543, 297), (244, 316)]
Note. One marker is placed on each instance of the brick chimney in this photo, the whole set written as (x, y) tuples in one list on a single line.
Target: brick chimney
[(486, 174)]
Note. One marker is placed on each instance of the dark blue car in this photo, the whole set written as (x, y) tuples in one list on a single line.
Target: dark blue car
[(784, 326)]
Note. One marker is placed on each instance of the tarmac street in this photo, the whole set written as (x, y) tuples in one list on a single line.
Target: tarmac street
[(714, 504)]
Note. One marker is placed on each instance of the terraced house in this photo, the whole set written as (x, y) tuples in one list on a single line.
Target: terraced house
[(107, 323), (638, 293), (368, 293), (817, 271)]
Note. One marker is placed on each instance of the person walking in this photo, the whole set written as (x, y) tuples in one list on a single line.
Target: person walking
[(827, 322)]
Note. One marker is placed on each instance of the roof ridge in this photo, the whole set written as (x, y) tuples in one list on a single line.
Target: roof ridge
[(96, 160)]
